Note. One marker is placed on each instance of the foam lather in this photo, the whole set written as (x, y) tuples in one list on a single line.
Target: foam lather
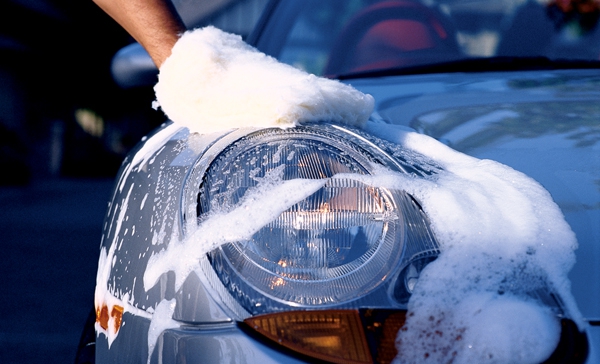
[(214, 81)]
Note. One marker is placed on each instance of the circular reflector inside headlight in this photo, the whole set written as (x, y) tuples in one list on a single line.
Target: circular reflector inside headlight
[(334, 246)]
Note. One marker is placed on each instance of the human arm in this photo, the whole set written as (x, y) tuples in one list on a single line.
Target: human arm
[(153, 23)]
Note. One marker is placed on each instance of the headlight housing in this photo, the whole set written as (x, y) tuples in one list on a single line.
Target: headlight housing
[(349, 244)]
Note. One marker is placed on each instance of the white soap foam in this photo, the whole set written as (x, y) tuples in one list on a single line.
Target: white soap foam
[(258, 207), (161, 321), (502, 236), (214, 81), (482, 328)]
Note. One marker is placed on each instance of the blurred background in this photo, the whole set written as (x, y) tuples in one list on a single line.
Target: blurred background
[(65, 127)]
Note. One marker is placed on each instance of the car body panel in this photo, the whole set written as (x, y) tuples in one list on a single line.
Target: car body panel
[(145, 216), (209, 344), (551, 117), (593, 333), (563, 156)]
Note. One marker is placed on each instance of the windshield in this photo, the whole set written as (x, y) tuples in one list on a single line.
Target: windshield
[(334, 37)]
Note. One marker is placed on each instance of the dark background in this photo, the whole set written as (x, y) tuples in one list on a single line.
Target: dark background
[(50, 235), (54, 62), (57, 171)]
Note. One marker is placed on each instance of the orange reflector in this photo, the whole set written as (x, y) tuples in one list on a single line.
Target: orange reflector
[(103, 317), (117, 315), (336, 336)]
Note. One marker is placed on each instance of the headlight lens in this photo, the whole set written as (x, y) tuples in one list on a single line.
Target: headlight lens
[(338, 246)]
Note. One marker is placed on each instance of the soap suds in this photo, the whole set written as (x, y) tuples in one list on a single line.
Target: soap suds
[(259, 206), (482, 327), (161, 321), (214, 81), (503, 241)]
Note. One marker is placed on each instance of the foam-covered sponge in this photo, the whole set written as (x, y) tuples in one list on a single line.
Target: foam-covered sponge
[(213, 81)]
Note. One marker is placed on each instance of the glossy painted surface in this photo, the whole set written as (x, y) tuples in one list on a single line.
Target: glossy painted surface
[(545, 124), (542, 123)]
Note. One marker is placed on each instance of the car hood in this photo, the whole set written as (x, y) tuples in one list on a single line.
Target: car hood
[(545, 124)]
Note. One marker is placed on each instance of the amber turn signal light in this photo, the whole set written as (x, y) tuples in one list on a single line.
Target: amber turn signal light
[(369, 335), (336, 336)]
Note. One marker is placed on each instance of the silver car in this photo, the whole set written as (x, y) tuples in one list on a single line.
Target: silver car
[(329, 243)]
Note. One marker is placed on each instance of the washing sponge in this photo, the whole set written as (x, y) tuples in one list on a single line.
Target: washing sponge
[(214, 81)]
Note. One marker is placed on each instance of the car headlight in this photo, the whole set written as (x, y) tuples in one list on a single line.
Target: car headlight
[(348, 244)]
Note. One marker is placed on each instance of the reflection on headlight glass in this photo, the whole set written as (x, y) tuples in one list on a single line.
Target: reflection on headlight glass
[(314, 236), (335, 226)]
